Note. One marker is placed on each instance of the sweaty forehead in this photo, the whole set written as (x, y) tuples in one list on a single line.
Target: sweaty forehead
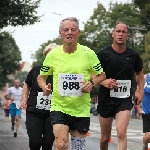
[(121, 26), (69, 23)]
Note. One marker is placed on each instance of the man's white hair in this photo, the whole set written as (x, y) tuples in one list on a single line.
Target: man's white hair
[(50, 47)]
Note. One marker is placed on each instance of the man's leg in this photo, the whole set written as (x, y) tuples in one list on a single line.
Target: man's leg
[(78, 140), (105, 125), (13, 119), (146, 130), (12, 113), (17, 119), (79, 126), (61, 136), (146, 139), (122, 121)]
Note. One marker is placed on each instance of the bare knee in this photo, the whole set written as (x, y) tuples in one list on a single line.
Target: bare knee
[(147, 137), (121, 134), (61, 144), (17, 119)]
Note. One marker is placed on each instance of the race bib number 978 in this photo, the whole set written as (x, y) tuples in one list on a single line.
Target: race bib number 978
[(70, 84), (123, 89)]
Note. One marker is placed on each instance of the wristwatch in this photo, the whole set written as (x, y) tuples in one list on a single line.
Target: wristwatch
[(92, 83)]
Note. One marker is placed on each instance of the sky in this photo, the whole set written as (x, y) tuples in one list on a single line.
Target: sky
[(29, 38)]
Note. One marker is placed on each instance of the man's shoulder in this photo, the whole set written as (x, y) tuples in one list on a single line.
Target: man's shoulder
[(86, 50), (11, 88), (131, 50), (83, 47), (38, 67), (55, 50), (104, 49)]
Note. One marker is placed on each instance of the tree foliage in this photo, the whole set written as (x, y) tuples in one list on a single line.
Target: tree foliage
[(96, 33), (97, 30), (145, 56), (18, 12), (144, 6), (10, 57), (38, 56)]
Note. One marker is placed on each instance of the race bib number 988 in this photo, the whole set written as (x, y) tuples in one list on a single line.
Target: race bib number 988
[(123, 89), (70, 84)]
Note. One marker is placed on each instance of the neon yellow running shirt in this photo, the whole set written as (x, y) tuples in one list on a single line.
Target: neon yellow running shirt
[(83, 61)]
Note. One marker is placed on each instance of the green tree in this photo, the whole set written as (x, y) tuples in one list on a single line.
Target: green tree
[(96, 33), (97, 30), (38, 56), (144, 7), (18, 12), (10, 57), (145, 56)]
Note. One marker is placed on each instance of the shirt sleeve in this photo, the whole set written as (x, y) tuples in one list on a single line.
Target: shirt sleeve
[(99, 54), (95, 64), (9, 92), (29, 78), (46, 68), (138, 64)]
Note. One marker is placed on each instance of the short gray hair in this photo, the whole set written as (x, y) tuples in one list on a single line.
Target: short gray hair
[(49, 47), (69, 18)]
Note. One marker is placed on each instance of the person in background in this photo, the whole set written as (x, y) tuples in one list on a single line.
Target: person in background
[(6, 109), (38, 121), (14, 95), (144, 110)]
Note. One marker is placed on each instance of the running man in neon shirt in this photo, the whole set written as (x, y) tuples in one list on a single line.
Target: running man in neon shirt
[(71, 66)]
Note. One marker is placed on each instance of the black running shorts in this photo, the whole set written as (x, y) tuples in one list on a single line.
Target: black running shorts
[(146, 123), (81, 124), (111, 110)]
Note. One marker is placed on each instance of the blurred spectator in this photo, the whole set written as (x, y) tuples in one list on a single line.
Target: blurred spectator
[(6, 109)]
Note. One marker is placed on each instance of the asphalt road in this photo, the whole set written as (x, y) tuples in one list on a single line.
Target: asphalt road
[(8, 142)]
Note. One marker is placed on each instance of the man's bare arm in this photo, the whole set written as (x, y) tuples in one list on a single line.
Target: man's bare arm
[(140, 81), (8, 97), (140, 87), (42, 84), (25, 92), (98, 79), (41, 81)]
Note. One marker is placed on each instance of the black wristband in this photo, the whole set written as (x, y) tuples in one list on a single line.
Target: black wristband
[(92, 82)]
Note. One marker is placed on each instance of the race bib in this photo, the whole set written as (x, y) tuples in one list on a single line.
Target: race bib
[(70, 84), (123, 89), (43, 102)]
